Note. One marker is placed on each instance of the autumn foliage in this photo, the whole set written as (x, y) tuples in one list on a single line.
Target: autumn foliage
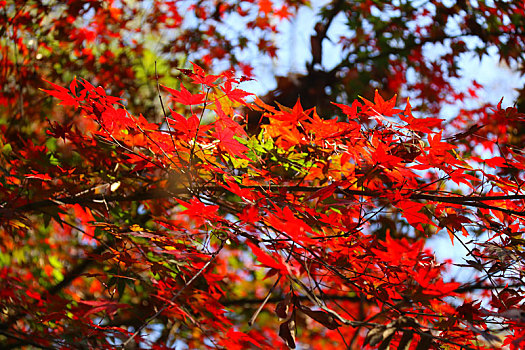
[(120, 229)]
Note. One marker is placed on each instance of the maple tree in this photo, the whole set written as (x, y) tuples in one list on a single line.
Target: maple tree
[(140, 214)]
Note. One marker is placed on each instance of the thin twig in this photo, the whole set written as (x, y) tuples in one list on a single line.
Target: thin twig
[(165, 114), (196, 138), (21, 342), (149, 320), (268, 295)]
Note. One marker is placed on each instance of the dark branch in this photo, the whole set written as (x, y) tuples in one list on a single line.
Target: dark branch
[(276, 299), (327, 297), (472, 201), (21, 342), (76, 271), (321, 29)]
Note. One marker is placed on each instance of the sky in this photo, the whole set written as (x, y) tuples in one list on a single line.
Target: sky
[(294, 51)]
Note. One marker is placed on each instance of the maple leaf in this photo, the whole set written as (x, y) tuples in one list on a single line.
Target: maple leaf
[(419, 124), (184, 96), (237, 95), (437, 146), (111, 307), (249, 214), (381, 108), (293, 115), (350, 111), (226, 137), (494, 162), (62, 94), (268, 260), (195, 208), (199, 76), (116, 118), (36, 175), (265, 6), (431, 287), (187, 127), (324, 192), (411, 211), (283, 13), (383, 157)]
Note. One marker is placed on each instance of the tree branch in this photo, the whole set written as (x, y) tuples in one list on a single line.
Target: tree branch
[(76, 271), (321, 29), (474, 201), (149, 320), (21, 342), (276, 299)]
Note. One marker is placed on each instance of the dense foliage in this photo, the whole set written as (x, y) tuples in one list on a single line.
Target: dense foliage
[(155, 211)]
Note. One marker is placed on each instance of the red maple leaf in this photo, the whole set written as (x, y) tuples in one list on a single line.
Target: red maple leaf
[(283, 13), (268, 260), (237, 95), (265, 6), (380, 107), (62, 94), (184, 96)]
